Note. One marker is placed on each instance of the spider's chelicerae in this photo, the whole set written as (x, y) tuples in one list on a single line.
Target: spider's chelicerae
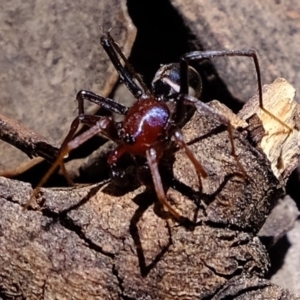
[(156, 116)]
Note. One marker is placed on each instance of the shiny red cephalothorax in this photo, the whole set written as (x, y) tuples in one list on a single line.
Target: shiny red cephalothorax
[(145, 126), (146, 122)]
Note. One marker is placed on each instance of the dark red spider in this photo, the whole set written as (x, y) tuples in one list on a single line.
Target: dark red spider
[(154, 119)]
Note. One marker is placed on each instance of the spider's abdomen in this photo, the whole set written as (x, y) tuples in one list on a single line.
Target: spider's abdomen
[(145, 125)]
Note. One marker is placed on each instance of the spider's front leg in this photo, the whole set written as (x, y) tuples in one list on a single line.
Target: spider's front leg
[(127, 74), (99, 124), (107, 103), (89, 120)]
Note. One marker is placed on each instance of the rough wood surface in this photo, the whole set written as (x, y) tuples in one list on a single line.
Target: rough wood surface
[(39, 41), (100, 242), (270, 27), (49, 51)]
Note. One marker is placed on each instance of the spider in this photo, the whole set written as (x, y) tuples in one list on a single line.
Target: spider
[(154, 119)]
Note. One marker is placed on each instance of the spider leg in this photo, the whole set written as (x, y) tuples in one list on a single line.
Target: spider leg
[(110, 132), (126, 74), (179, 139), (198, 55), (202, 107), (117, 175), (131, 70), (153, 159), (107, 103), (89, 120), (99, 124)]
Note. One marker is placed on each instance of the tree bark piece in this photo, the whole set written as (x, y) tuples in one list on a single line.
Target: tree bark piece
[(102, 242), (277, 143), (49, 51)]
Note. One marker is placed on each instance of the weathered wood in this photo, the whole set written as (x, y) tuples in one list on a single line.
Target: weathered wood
[(49, 51), (100, 242), (270, 27)]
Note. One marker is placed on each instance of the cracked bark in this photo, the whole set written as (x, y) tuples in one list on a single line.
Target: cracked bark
[(101, 242)]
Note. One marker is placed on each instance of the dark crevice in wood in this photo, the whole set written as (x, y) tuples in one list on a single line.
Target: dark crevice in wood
[(277, 255), (69, 224), (162, 37)]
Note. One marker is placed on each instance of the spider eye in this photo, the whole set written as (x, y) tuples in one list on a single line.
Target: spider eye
[(161, 88), (166, 81)]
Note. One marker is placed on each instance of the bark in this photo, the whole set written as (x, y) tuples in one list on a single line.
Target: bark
[(49, 51), (103, 242), (42, 69)]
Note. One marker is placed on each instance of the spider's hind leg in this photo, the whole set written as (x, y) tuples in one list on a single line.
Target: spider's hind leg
[(198, 55), (200, 106)]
